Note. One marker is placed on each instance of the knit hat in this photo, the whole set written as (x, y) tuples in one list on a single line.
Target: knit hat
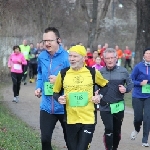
[(78, 49), (146, 50)]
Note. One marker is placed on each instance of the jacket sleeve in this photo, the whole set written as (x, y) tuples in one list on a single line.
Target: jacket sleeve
[(101, 82), (129, 83), (23, 60), (57, 87), (99, 79), (9, 61), (134, 75), (39, 75)]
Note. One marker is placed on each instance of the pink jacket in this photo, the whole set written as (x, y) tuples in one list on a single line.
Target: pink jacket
[(14, 64)]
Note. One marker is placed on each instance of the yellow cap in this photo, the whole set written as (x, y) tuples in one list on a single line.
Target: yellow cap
[(78, 49)]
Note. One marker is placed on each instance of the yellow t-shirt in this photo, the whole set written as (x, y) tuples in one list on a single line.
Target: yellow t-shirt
[(79, 81)]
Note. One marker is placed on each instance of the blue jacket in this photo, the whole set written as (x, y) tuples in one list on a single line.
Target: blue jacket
[(140, 72), (50, 65)]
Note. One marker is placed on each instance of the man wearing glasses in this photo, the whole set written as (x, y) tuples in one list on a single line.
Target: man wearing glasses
[(112, 104), (50, 62)]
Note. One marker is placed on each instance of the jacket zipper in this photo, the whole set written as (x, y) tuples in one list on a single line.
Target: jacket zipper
[(52, 100)]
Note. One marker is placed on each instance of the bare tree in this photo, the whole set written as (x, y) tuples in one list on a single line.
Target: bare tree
[(143, 28), (95, 19)]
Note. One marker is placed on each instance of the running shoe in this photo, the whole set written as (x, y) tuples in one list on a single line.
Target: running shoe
[(145, 144), (14, 100), (134, 135)]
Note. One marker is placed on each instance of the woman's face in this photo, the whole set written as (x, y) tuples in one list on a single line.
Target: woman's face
[(147, 56), (17, 50), (98, 60)]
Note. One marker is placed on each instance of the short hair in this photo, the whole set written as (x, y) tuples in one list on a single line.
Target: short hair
[(15, 47), (95, 51), (110, 50), (53, 29)]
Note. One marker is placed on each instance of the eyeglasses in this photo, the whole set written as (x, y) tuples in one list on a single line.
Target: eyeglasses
[(49, 41), (110, 58)]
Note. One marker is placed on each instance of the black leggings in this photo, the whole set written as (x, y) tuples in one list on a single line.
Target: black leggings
[(32, 70), (128, 62), (16, 79), (112, 123), (47, 125), (79, 136), (25, 70)]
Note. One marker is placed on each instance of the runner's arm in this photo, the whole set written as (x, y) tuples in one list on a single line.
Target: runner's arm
[(102, 83), (129, 83), (57, 89), (39, 76)]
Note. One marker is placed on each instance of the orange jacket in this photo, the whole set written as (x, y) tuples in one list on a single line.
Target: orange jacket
[(119, 53)]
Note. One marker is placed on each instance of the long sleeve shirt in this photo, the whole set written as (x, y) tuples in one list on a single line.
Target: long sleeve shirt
[(15, 62)]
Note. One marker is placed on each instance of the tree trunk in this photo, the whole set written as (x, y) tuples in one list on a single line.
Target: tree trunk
[(92, 25), (143, 28)]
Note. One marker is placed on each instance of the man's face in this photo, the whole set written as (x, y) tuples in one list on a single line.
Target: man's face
[(147, 56), (41, 45), (117, 47), (38, 45), (110, 60), (88, 50), (50, 42), (76, 60), (95, 54), (25, 42), (31, 46)]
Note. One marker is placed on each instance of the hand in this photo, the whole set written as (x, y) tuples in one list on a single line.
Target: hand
[(144, 82), (19, 61), (96, 98), (62, 99), (38, 92), (52, 78), (122, 89), (96, 92)]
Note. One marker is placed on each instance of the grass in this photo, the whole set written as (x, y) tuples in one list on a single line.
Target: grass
[(128, 99), (14, 133)]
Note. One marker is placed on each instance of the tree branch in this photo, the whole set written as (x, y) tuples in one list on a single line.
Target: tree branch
[(102, 16)]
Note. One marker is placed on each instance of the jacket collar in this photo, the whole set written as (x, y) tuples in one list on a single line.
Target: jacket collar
[(112, 68)]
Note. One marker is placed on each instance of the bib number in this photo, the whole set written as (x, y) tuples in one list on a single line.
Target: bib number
[(48, 88), (17, 66), (146, 88), (117, 107), (78, 99), (25, 53)]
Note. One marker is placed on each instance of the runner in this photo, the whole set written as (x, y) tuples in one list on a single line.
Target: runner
[(25, 49), (50, 62), (119, 54), (32, 63), (112, 104), (127, 56), (77, 83), (141, 97), (15, 62)]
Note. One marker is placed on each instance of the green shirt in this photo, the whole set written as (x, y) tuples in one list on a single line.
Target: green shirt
[(25, 50)]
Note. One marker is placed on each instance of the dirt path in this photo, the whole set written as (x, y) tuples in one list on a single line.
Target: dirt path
[(28, 110)]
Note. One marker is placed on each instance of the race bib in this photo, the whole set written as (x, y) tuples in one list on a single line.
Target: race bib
[(146, 88), (17, 66), (78, 99), (25, 53), (48, 88), (117, 107)]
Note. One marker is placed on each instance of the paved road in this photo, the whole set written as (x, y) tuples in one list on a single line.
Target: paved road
[(28, 110)]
